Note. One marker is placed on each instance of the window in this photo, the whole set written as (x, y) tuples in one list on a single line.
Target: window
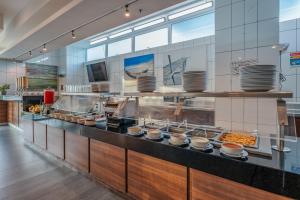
[(121, 33), (152, 23), (95, 53), (194, 28), (97, 40), (119, 47), (289, 9), (152, 39)]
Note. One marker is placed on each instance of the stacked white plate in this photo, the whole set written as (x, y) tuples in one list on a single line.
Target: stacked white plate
[(146, 83), (258, 77), (194, 81)]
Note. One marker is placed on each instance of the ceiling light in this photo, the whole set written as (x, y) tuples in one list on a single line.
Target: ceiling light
[(73, 35), (191, 10), (97, 40), (158, 21), (30, 53), (127, 13), (121, 33), (44, 47)]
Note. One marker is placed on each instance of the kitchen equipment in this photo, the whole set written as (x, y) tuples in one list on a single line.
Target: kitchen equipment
[(194, 81), (48, 100)]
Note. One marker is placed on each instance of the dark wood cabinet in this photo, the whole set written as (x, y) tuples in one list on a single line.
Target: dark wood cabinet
[(40, 134), (27, 127), (152, 178), (55, 141), (107, 164), (77, 151), (206, 186), (13, 112), (3, 112)]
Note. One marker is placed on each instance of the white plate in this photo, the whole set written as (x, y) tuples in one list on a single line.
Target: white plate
[(185, 143), (155, 139), (242, 155), (208, 147)]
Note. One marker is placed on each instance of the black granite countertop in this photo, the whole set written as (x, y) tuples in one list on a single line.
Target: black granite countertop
[(278, 174)]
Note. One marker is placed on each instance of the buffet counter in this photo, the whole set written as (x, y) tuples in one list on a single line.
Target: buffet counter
[(140, 167)]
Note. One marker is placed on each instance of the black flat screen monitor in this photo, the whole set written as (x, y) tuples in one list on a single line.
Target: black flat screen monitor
[(97, 72)]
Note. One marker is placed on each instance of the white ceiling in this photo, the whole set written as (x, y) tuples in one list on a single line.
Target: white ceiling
[(48, 19)]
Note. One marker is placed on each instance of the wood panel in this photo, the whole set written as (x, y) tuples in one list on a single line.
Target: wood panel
[(152, 178), (55, 141), (205, 186), (13, 112), (3, 112), (27, 127), (107, 163), (77, 151), (40, 134)]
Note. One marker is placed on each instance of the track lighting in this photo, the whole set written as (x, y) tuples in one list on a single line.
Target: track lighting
[(30, 53), (44, 47), (127, 13), (73, 35)]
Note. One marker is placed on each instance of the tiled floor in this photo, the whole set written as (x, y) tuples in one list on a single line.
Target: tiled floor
[(27, 174)]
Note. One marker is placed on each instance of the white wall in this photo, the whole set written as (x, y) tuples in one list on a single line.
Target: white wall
[(245, 29), (9, 71), (290, 33)]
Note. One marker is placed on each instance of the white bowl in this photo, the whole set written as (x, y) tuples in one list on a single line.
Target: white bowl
[(199, 142), (232, 148), (134, 130), (153, 133), (177, 138)]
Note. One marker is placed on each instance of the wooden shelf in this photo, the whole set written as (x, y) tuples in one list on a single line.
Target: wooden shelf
[(212, 94)]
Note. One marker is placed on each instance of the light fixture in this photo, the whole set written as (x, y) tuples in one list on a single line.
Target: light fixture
[(157, 21), (30, 53), (127, 13), (73, 35), (44, 47), (97, 40), (121, 33), (191, 10)]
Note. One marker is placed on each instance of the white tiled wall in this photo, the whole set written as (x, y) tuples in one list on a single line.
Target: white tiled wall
[(9, 71), (245, 29), (290, 33)]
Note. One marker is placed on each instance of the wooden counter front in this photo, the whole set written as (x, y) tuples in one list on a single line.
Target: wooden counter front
[(205, 186), (3, 112), (107, 163), (40, 134), (152, 178), (77, 151), (55, 141)]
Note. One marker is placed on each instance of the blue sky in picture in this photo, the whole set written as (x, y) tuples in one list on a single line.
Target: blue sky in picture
[(289, 9), (129, 62)]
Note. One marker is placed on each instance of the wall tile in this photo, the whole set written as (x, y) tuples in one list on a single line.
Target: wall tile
[(238, 14), (268, 55), (250, 111), (223, 63), (267, 115), (251, 11), (291, 84), (223, 40), (237, 110), (268, 9), (288, 25), (251, 35), (238, 38), (223, 17), (223, 105), (289, 37), (251, 54), (268, 32), (221, 3), (223, 83)]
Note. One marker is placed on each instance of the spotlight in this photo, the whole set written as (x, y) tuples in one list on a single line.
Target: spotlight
[(44, 47), (73, 35), (127, 13), (30, 53)]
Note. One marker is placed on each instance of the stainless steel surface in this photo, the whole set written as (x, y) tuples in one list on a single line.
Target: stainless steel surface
[(212, 94), (89, 94), (10, 98), (256, 146)]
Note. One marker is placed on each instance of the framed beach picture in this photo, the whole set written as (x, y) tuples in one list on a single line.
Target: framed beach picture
[(138, 66)]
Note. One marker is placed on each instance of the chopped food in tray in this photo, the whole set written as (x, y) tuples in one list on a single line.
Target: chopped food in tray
[(245, 139)]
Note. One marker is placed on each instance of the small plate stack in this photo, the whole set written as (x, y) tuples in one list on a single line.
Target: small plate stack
[(258, 78), (194, 81), (146, 83)]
